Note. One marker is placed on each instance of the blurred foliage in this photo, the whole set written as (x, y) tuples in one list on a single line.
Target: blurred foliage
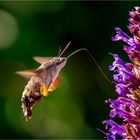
[(38, 28)]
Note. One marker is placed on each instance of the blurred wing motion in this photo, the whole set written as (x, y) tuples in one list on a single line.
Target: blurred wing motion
[(26, 73), (44, 90), (41, 59), (55, 84)]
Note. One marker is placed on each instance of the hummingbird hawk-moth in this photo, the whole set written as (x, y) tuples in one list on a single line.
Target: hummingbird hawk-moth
[(44, 79)]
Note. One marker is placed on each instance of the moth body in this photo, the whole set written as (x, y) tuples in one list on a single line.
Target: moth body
[(30, 96), (43, 80)]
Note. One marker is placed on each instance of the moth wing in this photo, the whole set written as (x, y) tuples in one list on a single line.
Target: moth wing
[(41, 59), (26, 73), (44, 90), (55, 84), (39, 70)]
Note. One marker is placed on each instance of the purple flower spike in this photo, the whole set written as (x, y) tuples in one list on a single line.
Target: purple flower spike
[(127, 83)]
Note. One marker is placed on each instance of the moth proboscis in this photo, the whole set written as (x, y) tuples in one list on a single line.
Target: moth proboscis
[(45, 79)]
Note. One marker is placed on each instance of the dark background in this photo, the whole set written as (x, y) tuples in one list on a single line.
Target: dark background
[(76, 109)]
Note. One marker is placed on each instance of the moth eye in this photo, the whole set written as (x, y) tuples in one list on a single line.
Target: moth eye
[(57, 63)]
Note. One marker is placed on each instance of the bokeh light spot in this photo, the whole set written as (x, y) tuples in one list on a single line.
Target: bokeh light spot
[(8, 29)]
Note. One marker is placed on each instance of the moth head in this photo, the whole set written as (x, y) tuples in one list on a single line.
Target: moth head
[(59, 61)]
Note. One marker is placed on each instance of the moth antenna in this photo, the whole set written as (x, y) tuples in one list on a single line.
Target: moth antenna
[(64, 49), (59, 51), (81, 49), (91, 56)]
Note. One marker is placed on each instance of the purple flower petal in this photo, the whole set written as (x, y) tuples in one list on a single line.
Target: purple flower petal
[(122, 36), (114, 129)]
